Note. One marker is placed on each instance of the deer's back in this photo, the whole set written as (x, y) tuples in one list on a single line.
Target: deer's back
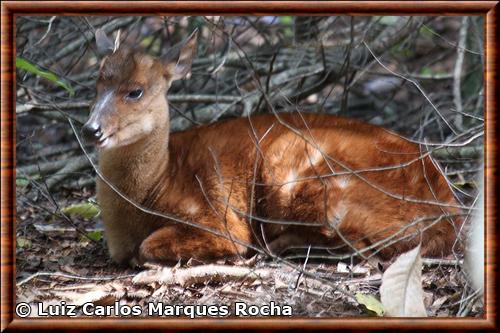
[(316, 169), (297, 149)]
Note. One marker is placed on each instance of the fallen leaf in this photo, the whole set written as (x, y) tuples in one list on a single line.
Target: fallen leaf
[(23, 242), (371, 303), (279, 283), (438, 303), (356, 270), (95, 235), (22, 182), (99, 295), (87, 210), (401, 291)]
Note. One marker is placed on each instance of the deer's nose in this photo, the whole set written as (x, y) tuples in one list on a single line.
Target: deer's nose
[(92, 132)]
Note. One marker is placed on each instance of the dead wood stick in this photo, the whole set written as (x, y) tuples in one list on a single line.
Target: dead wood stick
[(441, 262), (459, 152), (200, 274), (48, 167), (75, 165)]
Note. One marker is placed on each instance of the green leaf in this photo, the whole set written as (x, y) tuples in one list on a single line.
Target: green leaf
[(388, 20), (472, 84), (150, 43), (370, 303), (286, 20), (426, 71), (400, 51), (461, 184), (95, 235), (23, 242), (430, 72), (22, 182), (146, 41), (86, 210), (427, 32), (31, 68)]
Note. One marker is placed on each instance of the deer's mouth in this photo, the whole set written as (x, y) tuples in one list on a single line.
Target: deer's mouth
[(104, 141)]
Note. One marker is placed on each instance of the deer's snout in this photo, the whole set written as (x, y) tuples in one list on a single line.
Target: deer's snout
[(92, 131)]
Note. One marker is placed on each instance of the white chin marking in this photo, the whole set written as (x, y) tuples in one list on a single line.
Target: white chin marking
[(104, 144), (147, 125)]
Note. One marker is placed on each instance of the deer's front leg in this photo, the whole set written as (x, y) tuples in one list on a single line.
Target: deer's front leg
[(172, 243)]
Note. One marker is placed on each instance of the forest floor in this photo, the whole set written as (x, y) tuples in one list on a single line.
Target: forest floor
[(56, 263)]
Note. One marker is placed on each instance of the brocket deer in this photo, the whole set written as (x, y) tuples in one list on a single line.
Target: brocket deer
[(269, 181)]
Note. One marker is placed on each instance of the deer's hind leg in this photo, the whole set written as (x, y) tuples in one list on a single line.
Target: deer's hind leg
[(333, 211)]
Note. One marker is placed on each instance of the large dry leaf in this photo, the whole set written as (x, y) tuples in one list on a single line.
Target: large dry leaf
[(401, 291), (474, 254)]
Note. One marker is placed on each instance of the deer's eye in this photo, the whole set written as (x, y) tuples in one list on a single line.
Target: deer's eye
[(135, 94)]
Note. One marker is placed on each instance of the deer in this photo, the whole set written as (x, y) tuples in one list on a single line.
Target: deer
[(268, 181)]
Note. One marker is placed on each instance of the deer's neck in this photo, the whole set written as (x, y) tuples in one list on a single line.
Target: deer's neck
[(136, 168)]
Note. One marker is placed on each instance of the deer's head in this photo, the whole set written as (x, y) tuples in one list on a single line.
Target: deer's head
[(131, 90)]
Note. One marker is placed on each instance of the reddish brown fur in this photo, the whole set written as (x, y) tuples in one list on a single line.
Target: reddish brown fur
[(208, 175)]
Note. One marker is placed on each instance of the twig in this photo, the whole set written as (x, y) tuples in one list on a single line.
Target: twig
[(457, 72), (69, 276), (26, 107), (75, 45), (190, 98), (441, 262), (46, 32), (449, 42)]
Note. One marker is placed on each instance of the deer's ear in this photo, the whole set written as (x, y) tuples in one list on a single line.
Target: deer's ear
[(105, 45), (177, 61)]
